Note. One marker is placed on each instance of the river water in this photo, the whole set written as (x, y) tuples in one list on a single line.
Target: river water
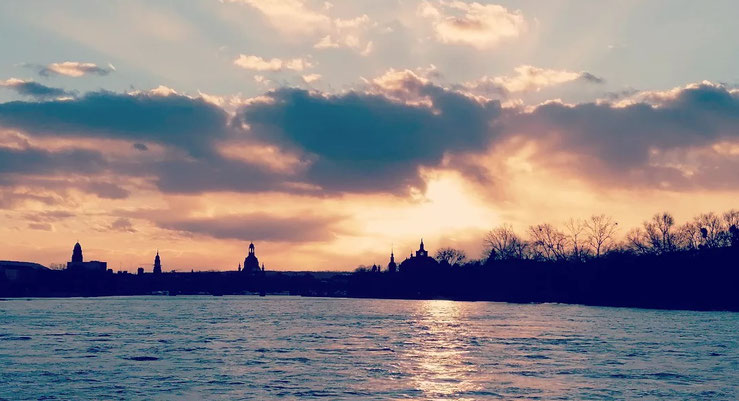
[(243, 348)]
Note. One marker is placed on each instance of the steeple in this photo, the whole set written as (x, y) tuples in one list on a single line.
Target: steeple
[(251, 248), (157, 264), (392, 267), (421, 252)]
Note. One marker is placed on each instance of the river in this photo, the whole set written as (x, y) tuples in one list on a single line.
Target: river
[(243, 348)]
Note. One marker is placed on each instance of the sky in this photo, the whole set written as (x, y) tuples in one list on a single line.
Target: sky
[(330, 132)]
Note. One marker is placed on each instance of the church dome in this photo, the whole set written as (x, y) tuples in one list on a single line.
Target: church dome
[(77, 253)]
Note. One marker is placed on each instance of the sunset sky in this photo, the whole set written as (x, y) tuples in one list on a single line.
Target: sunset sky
[(327, 132)]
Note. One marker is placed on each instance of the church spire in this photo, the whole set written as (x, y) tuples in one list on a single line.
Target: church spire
[(157, 263)]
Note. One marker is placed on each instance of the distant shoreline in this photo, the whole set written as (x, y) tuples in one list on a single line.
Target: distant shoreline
[(685, 280)]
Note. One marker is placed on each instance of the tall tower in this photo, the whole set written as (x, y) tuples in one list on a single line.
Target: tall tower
[(157, 264), (392, 267), (421, 252), (77, 253)]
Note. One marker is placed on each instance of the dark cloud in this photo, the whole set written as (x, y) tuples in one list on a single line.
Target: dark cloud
[(259, 227), (213, 174), (620, 142), (624, 93), (34, 89), (10, 198), (58, 171), (40, 161), (122, 224), (588, 77), (361, 142), (358, 142), (178, 121), (106, 190)]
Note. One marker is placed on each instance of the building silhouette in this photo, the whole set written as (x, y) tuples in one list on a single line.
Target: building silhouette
[(392, 267), (157, 264), (419, 262), (77, 264), (251, 263)]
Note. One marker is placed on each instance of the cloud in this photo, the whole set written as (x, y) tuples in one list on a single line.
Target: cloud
[(256, 63), (311, 78), (586, 76), (122, 224), (48, 216), (363, 142), (107, 190), (33, 89), (528, 78), (639, 143), (41, 226), (174, 120), (291, 17), (378, 140), (350, 41), (259, 227), (75, 69), (41, 161), (478, 25), (297, 20)]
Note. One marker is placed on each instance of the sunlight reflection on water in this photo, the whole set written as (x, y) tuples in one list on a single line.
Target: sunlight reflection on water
[(242, 348)]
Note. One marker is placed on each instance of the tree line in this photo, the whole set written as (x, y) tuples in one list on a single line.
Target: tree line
[(580, 240)]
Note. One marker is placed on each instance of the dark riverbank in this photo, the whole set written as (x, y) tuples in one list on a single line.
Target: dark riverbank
[(691, 280)]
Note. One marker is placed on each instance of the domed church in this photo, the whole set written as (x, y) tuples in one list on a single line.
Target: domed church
[(79, 265), (421, 261), (251, 263)]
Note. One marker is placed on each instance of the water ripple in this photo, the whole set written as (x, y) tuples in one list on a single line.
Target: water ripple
[(251, 348)]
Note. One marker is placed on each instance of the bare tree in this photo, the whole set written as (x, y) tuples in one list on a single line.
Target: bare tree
[(731, 218), (504, 244), (450, 256), (638, 241), (712, 229), (576, 237), (691, 235), (600, 230), (547, 242), (661, 234)]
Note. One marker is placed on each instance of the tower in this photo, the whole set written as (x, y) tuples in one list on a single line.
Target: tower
[(392, 267), (251, 263), (419, 262), (78, 264), (157, 264), (421, 252), (77, 253)]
